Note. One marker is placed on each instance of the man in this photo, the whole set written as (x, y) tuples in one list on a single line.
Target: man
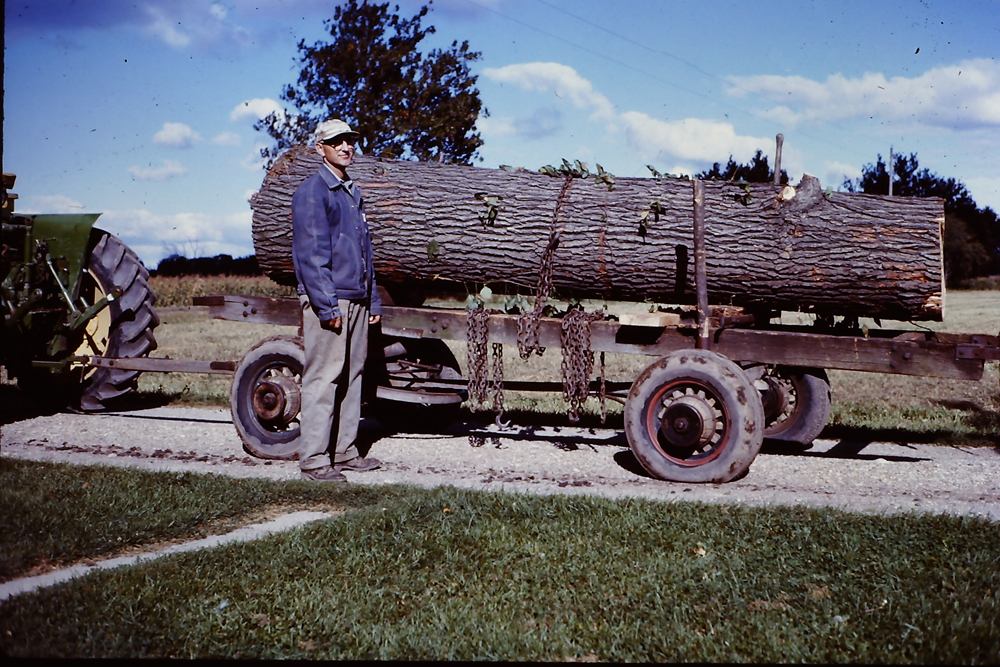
[(332, 253)]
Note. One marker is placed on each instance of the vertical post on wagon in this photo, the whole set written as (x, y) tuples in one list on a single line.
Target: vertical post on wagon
[(779, 140), (700, 284), (892, 168)]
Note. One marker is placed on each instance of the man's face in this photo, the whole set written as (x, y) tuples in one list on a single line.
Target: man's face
[(338, 151)]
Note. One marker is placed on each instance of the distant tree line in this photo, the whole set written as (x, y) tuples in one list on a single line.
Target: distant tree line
[(758, 171), (220, 265)]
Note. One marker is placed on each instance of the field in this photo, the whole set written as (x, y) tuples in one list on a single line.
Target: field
[(866, 405)]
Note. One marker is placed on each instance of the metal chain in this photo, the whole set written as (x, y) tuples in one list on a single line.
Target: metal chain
[(496, 383), (480, 384), (528, 322), (603, 396), (578, 360), (477, 321)]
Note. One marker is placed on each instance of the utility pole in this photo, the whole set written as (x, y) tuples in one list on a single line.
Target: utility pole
[(892, 168)]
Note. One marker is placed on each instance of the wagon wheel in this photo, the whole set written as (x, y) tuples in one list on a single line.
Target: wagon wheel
[(796, 403), (401, 404), (265, 397), (694, 416)]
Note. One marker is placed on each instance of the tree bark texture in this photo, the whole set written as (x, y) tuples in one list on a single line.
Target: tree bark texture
[(433, 228)]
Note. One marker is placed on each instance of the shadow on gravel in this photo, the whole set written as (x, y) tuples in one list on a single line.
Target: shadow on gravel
[(845, 449), (15, 406), (143, 400), (627, 461), (193, 420)]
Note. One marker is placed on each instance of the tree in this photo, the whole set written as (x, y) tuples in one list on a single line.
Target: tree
[(757, 171), (971, 235), (372, 75)]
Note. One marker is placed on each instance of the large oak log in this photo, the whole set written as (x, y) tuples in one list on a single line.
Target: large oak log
[(432, 228)]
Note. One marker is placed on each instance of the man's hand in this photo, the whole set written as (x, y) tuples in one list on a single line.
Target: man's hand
[(333, 325), (373, 319)]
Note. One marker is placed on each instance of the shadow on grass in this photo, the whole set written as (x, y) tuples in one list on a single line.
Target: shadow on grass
[(905, 436)]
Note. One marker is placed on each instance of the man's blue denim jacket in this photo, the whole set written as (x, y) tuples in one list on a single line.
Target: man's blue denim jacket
[(331, 245)]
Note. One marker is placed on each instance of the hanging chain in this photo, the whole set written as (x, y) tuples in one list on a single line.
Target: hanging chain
[(477, 321), (578, 360), (496, 383), (480, 384), (528, 322), (603, 396), (577, 357)]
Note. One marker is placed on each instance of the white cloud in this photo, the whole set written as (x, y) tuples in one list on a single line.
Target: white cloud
[(169, 169), (49, 204), (154, 236), (562, 80), (255, 109), (496, 128), (962, 96), (253, 161), (176, 135), (688, 145), (691, 140), (227, 139), (165, 29), (194, 25), (834, 173)]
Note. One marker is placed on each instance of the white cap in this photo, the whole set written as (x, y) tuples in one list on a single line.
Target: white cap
[(329, 129)]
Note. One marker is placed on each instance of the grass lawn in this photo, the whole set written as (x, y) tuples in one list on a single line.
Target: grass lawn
[(444, 574)]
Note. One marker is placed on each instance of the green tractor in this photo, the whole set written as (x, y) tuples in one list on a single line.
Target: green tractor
[(70, 292)]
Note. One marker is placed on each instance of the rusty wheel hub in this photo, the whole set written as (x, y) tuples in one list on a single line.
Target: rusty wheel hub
[(277, 399), (689, 421)]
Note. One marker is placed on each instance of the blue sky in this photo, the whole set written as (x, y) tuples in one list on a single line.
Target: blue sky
[(143, 109)]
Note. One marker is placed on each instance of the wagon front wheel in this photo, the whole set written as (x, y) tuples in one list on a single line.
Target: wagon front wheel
[(694, 416), (265, 397)]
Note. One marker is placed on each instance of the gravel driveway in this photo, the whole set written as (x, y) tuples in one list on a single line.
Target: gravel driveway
[(877, 477)]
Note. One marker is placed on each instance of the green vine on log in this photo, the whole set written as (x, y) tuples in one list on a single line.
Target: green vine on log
[(578, 169), (433, 251), (657, 174), (492, 210), (655, 208)]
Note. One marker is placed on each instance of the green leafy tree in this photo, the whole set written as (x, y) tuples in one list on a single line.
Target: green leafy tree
[(757, 171), (971, 234), (372, 75)]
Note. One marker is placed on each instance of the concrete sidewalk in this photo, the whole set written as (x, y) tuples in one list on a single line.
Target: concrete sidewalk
[(245, 534)]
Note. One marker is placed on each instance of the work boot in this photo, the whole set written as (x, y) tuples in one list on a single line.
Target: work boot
[(359, 464), (323, 474)]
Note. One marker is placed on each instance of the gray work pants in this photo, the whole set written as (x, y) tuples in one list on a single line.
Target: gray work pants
[(331, 385)]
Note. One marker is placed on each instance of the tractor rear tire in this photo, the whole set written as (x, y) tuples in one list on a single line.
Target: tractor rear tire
[(128, 333)]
